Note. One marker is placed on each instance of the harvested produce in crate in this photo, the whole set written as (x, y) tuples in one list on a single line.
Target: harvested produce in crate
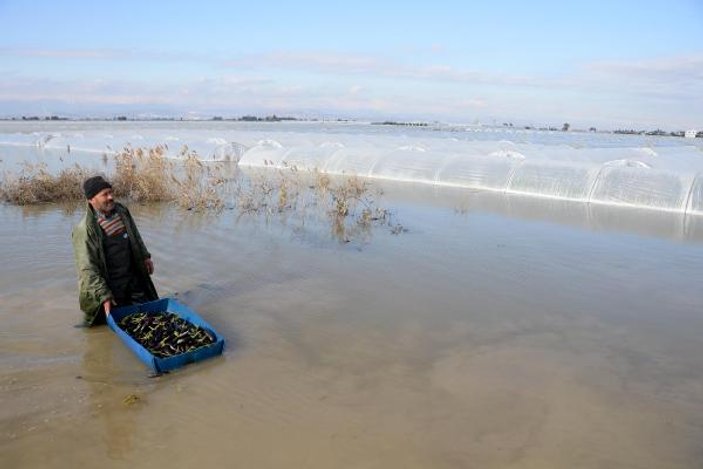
[(165, 334)]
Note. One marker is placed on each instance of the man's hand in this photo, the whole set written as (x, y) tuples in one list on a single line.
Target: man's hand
[(149, 266), (107, 306)]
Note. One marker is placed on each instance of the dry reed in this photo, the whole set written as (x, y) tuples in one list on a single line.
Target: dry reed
[(142, 175), (199, 186), (34, 184), (350, 203)]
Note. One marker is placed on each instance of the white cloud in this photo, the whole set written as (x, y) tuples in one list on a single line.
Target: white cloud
[(103, 54), (666, 88), (656, 74), (673, 67), (678, 77), (343, 64)]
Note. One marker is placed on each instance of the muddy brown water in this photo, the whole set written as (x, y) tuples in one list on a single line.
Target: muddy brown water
[(492, 334)]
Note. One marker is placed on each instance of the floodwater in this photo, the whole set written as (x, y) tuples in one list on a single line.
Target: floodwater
[(494, 333)]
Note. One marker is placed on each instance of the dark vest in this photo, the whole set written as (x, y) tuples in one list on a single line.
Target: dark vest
[(120, 265)]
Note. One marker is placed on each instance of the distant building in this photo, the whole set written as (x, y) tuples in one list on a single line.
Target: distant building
[(690, 134)]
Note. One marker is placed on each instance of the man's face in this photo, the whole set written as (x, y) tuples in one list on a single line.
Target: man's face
[(103, 201)]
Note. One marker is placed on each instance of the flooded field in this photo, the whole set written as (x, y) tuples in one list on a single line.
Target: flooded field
[(484, 336), (481, 329)]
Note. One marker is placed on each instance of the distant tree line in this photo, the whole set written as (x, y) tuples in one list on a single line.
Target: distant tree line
[(408, 124), (249, 118), (274, 118), (47, 118), (657, 132)]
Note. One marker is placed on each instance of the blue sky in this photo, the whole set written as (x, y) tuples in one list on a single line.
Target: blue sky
[(611, 64)]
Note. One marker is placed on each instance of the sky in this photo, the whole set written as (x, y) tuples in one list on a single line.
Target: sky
[(607, 64)]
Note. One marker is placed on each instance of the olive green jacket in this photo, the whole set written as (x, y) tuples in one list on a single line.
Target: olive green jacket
[(89, 255)]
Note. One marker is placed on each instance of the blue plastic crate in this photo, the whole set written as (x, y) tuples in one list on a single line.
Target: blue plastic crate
[(171, 305)]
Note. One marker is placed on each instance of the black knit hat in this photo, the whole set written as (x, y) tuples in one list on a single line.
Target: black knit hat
[(93, 185)]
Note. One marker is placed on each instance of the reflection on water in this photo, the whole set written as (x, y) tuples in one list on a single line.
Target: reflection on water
[(595, 217)]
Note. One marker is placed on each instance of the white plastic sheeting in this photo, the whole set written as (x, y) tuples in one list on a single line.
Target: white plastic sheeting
[(662, 173)]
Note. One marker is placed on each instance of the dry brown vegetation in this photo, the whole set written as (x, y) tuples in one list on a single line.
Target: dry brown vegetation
[(148, 175), (34, 184), (141, 175), (200, 187)]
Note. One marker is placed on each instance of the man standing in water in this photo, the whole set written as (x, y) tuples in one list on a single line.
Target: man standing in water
[(112, 261)]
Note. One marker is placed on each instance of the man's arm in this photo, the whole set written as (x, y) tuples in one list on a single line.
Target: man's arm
[(92, 285)]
